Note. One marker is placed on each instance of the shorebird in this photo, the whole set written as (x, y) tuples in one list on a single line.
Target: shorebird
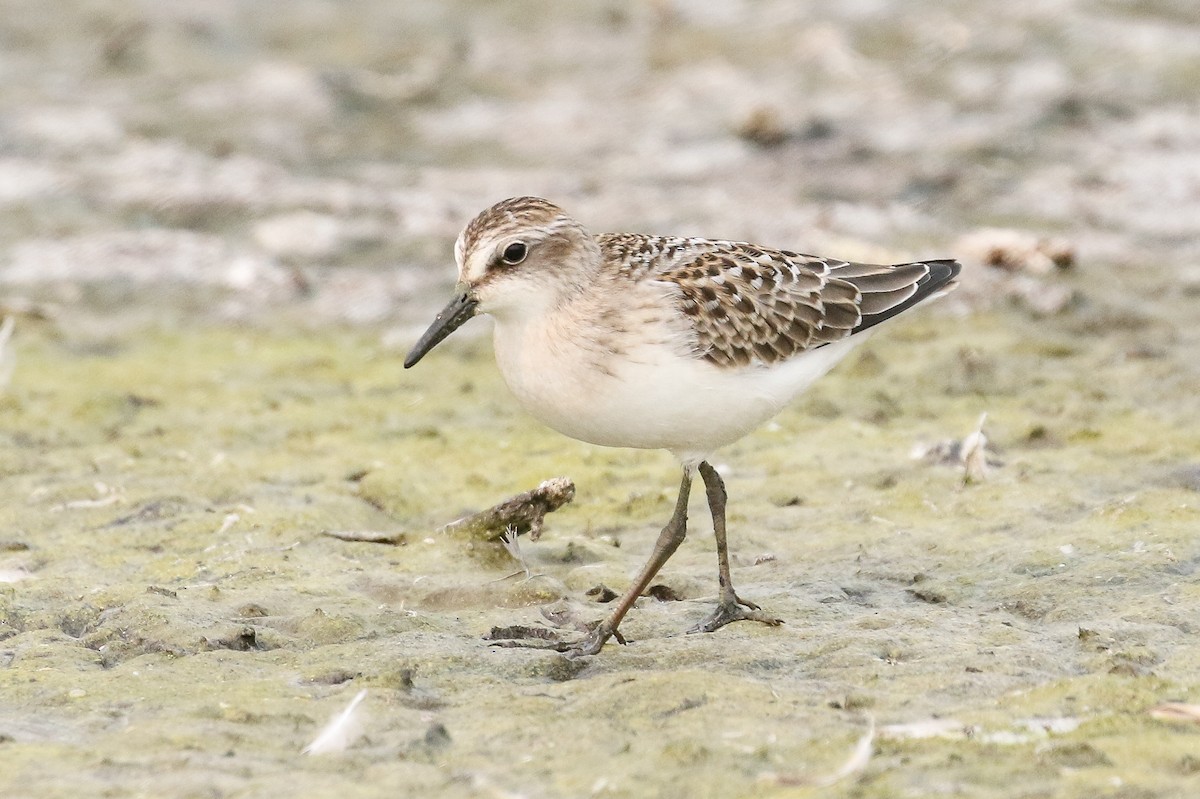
[(661, 342)]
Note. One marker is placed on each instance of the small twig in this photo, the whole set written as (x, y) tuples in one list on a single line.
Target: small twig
[(368, 536)]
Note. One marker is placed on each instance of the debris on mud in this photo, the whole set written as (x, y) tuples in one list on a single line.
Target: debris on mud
[(1017, 266), (970, 453), (523, 513)]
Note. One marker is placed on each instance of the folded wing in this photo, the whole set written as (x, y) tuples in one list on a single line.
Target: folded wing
[(749, 304)]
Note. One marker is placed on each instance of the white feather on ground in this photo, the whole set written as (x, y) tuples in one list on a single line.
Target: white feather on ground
[(859, 757), (341, 731), (8, 359)]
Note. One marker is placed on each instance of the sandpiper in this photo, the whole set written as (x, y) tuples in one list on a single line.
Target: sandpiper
[(660, 342)]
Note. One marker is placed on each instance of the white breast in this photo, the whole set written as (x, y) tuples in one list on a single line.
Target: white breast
[(649, 392)]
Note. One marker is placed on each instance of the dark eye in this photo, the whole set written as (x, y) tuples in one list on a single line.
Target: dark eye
[(514, 253)]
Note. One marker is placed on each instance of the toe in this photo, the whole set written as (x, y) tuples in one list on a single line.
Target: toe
[(728, 612)]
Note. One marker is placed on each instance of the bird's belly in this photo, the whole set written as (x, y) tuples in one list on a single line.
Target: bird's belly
[(655, 398)]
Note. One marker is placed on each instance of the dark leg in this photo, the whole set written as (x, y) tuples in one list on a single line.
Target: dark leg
[(668, 541), (729, 607)]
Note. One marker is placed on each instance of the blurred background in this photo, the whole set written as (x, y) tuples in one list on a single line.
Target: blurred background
[(238, 158), (222, 224)]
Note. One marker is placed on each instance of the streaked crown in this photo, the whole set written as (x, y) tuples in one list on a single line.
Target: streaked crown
[(532, 224)]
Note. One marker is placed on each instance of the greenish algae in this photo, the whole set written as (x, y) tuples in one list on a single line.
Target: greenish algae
[(186, 625)]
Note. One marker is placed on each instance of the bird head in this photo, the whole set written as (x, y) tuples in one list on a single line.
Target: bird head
[(520, 258)]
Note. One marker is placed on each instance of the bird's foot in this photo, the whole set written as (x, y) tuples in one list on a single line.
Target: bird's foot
[(542, 638), (731, 608), (593, 642)]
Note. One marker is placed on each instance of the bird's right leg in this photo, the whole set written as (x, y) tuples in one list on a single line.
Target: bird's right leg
[(668, 541)]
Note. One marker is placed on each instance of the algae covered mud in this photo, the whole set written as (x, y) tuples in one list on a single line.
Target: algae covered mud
[(175, 618), (223, 227)]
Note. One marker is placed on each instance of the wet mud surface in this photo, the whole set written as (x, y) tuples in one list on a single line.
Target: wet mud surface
[(223, 227)]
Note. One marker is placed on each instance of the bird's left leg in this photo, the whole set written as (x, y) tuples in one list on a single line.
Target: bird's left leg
[(730, 607)]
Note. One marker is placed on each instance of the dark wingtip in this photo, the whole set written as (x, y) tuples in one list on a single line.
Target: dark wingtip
[(942, 272), (940, 279)]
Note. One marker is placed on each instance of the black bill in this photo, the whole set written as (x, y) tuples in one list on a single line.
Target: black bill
[(458, 310)]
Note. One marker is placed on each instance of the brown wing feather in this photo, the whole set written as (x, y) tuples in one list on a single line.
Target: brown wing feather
[(751, 304)]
